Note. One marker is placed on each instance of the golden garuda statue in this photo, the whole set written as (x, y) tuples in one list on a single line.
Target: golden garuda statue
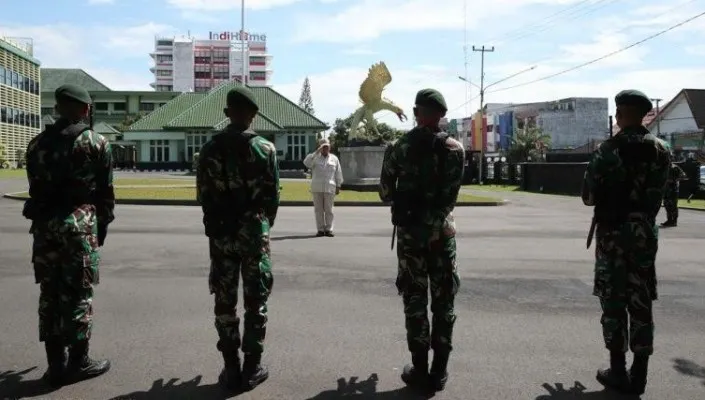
[(372, 101)]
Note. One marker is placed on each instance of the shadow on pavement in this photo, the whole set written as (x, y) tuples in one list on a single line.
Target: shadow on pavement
[(13, 387), (184, 390), (690, 368), (366, 389), (292, 237), (577, 392)]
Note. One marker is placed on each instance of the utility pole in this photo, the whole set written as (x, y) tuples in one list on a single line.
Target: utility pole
[(658, 117), (482, 50)]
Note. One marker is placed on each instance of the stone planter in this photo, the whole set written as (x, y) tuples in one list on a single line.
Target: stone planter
[(361, 166)]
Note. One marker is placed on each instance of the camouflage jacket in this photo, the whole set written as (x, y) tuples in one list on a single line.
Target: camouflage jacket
[(238, 181), (70, 180), (401, 173), (676, 174), (606, 172)]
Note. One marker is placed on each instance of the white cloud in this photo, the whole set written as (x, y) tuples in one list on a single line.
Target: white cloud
[(359, 50), (696, 50), (224, 5), (368, 19), (335, 93), (605, 44)]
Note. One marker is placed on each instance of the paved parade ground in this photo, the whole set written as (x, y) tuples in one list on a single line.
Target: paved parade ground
[(527, 328)]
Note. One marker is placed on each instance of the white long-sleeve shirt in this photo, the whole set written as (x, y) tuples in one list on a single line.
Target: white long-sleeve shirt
[(326, 174)]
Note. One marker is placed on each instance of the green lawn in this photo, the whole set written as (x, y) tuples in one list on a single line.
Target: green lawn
[(12, 173), (697, 203), (493, 188), (291, 191)]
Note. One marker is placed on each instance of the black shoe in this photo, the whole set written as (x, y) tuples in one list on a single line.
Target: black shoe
[(615, 377), (320, 234), (57, 360), (253, 372), (329, 233), (82, 367), (669, 224), (439, 370), (231, 375), (638, 373), (416, 373)]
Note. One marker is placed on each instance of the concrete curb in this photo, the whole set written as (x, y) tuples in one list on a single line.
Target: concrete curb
[(155, 202), (691, 208)]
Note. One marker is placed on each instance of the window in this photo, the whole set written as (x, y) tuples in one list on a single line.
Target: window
[(296, 145), (147, 107), (47, 110), (119, 106), (258, 60), (159, 150), (194, 143), (258, 75), (3, 114), (165, 88), (164, 58), (101, 106), (202, 75), (163, 72), (164, 43), (2, 74)]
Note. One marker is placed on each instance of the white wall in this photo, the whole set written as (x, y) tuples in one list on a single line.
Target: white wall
[(678, 118), (183, 66)]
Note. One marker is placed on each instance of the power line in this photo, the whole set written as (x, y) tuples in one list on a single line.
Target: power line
[(603, 57)]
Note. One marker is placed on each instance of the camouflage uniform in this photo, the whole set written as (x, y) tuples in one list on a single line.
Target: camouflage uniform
[(625, 181), (670, 198), (69, 168), (426, 247), (238, 189)]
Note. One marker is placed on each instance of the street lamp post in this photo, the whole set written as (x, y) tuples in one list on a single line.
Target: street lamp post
[(482, 88)]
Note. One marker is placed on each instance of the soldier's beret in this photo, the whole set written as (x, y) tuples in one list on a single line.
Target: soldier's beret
[(72, 92), (634, 98), (241, 95), (431, 98)]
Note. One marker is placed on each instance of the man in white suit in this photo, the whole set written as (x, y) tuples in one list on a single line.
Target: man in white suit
[(326, 179)]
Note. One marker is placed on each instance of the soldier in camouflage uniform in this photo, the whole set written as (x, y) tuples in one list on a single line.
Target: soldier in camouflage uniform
[(69, 168), (625, 182), (670, 198), (238, 189), (421, 177)]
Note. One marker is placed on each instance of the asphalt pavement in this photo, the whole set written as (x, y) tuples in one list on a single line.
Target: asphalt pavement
[(528, 326)]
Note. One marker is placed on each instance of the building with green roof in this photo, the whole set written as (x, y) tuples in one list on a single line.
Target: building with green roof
[(169, 137), (20, 119), (113, 107)]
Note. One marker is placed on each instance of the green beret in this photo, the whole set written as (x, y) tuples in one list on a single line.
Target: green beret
[(72, 92), (241, 95), (634, 98), (431, 98)]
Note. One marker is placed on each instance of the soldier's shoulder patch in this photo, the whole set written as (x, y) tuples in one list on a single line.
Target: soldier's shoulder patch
[(453, 145)]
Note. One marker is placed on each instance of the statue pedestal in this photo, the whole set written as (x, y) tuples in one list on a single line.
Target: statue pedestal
[(361, 167)]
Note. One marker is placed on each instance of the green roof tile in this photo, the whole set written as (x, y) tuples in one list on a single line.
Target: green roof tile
[(260, 124), (159, 118), (104, 129), (52, 78)]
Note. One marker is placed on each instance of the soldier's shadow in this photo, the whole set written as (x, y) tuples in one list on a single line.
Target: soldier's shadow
[(690, 368), (12, 386), (578, 392), (184, 390), (367, 389)]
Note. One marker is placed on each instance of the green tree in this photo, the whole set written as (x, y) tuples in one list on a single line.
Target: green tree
[(21, 155), (305, 101), (340, 137), (3, 157), (528, 145)]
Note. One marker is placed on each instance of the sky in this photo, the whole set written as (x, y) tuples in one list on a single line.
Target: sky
[(334, 42)]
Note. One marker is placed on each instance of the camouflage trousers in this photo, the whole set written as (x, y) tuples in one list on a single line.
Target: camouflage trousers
[(229, 259), (670, 202), (625, 282), (66, 270), (427, 261)]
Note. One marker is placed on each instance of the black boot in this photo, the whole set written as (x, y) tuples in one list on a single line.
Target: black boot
[(615, 377), (231, 375), (439, 370), (637, 374), (253, 372), (56, 359), (416, 373), (82, 367)]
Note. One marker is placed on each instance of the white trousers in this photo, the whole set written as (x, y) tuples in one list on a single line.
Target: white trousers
[(323, 209)]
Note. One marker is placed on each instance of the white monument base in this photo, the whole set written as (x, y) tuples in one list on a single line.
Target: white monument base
[(362, 167)]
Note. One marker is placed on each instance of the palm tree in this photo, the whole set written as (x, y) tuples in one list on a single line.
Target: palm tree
[(528, 144)]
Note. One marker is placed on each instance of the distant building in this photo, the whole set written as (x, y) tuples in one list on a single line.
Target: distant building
[(169, 137), (112, 107), (681, 121), (20, 119), (571, 122), (184, 64)]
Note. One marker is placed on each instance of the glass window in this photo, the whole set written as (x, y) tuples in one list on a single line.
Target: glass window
[(147, 107), (2, 74), (159, 151), (296, 146), (119, 106), (101, 106)]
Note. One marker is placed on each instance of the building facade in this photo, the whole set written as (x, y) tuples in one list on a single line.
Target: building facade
[(185, 64), (112, 107), (681, 121), (169, 137), (20, 119)]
